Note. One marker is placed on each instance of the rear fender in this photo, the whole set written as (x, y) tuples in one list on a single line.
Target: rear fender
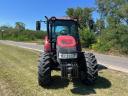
[(47, 45)]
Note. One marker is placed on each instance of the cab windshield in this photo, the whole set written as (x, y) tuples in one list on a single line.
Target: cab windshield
[(64, 27)]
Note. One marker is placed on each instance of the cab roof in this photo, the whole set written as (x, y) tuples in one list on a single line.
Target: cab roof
[(64, 18)]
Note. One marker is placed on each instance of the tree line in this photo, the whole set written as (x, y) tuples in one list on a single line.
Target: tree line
[(19, 33)]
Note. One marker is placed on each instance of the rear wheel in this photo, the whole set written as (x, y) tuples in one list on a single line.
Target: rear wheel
[(89, 74), (44, 70)]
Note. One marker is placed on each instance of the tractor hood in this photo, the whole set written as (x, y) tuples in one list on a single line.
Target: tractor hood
[(66, 41), (66, 47)]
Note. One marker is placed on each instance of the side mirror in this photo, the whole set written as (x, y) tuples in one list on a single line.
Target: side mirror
[(38, 25)]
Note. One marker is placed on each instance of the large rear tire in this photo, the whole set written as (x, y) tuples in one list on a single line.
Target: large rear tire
[(90, 73), (44, 70)]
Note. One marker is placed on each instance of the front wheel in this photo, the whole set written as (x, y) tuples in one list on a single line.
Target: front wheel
[(44, 70), (90, 73)]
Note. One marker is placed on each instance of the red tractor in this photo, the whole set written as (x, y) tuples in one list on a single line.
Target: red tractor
[(62, 50)]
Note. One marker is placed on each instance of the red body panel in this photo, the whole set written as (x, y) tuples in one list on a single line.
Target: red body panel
[(66, 41), (47, 45)]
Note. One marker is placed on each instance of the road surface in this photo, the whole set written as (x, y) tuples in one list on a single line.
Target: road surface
[(112, 62)]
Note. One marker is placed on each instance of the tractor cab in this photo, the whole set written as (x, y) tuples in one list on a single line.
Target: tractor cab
[(59, 27)]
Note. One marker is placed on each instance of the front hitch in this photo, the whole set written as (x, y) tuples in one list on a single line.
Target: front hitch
[(69, 71)]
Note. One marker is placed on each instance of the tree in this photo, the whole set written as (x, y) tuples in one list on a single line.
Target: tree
[(5, 27), (87, 38), (115, 35), (82, 14), (123, 13), (20, 26), (70, 12), (100, 25), (113, 11)]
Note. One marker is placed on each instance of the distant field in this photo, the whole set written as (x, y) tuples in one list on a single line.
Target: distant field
[(18, 77)]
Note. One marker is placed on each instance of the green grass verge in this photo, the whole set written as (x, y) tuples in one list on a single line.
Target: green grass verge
[(38, 41), (18, 77)]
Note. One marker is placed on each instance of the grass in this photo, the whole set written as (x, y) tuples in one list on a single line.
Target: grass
[(18, 77), (38, 41)]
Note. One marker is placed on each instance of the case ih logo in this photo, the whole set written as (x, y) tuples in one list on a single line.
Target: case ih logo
[(66, 42)]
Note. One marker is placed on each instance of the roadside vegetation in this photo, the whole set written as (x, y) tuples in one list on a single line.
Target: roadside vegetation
[(110, 32), (19, 33), (114, 36), (18, 77)]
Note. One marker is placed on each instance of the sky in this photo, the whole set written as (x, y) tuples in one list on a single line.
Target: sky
[(28, 11)]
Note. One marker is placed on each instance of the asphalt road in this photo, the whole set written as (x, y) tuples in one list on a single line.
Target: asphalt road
[(111, 62)]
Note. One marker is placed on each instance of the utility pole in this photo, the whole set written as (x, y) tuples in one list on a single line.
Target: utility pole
[(2, 34)]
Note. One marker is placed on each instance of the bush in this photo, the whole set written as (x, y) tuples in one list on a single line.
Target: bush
[(24, 35), (87, 38), (113, 38), (101, 46)]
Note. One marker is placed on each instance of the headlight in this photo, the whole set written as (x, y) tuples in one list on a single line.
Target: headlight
[(67, 56)]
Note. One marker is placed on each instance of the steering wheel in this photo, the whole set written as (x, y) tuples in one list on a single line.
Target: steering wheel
[(63, 32)]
